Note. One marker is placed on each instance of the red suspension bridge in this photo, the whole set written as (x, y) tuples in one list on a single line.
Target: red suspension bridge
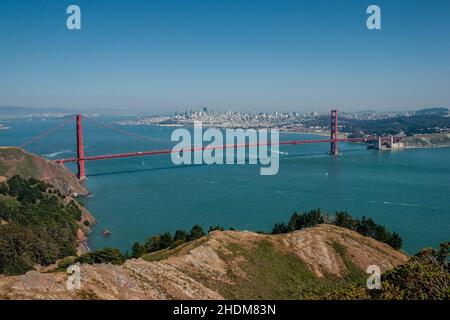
[(81, 158)]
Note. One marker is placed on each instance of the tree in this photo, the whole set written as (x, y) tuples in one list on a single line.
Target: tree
[(159, 242), (107, 255), (180, 235), (292, 225), (41, 228), (443, 253), (6, 212), (4, 188), (305, 220), (365, 226), (280, 228), (165, 240), (137, 250), (345, 220), (196, 232), (211, 229), (381, 234), (152, 244), (395, 241)]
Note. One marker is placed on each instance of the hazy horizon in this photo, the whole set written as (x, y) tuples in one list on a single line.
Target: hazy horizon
[(148, 111)]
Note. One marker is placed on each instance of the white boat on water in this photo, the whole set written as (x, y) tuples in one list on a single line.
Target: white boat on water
[(281, 152)]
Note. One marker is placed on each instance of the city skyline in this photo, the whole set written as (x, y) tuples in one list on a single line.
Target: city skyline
[(24, 110), (265, 56)]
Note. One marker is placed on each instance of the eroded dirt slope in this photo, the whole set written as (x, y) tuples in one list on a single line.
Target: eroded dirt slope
[(225, 264), (17, 161)]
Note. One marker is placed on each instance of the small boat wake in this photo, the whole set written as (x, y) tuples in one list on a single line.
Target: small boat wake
[(55, 154), (402, 204)]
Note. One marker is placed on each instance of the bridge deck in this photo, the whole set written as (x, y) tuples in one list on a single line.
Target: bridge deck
[(194, 149)]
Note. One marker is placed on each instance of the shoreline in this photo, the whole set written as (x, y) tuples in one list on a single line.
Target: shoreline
[(428, 147), (287, 131)]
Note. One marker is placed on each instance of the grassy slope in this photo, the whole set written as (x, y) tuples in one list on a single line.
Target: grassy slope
[(274, 274), (13, 161), (230, 264), (263, 270)]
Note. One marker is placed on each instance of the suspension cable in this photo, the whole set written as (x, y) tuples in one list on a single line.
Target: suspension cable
[(45, 133), (104, 125)]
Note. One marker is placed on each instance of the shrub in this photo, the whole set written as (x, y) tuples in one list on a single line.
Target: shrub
[(196, 232), (106, 255), (180, 235), (137, 250)]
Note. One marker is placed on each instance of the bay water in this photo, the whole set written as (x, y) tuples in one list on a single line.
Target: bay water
[(407, 191)]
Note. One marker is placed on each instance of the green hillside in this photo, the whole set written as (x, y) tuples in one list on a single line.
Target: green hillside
[(38, 225)]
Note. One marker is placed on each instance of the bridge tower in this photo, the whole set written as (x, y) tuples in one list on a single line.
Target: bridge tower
[(80, 148), (334, 128)]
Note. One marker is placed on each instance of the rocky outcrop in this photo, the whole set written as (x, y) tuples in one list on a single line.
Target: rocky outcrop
[(224, 264), (17, 161)]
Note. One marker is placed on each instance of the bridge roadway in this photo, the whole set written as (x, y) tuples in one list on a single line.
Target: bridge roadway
[(209, 147)]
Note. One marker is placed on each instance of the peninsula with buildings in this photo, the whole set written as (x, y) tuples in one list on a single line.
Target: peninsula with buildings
[(422, 128)]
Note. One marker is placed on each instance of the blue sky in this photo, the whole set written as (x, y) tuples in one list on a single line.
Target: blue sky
[(279, 55)]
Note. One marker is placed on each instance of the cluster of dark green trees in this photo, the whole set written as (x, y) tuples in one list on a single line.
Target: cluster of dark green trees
[(106, 255), (37, 227), (166, 240), (155, 243), (366, 226)]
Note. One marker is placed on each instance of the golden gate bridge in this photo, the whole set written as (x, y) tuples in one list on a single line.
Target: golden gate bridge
[(81, 158)]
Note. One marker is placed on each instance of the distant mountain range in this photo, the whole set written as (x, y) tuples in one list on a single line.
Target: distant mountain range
[(432, 112), (24, 111)]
